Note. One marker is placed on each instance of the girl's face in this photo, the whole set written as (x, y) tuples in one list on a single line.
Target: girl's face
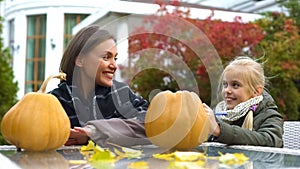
[(234, 90), (100, 64)]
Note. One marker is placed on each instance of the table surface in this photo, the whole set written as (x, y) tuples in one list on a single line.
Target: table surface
[(259, 157)]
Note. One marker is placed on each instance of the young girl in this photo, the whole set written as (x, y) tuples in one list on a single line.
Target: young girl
[(99, 108), (247, 115)]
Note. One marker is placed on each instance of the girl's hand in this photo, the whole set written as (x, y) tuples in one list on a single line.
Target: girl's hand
[(83, 130), (214, 127), (78, 136)]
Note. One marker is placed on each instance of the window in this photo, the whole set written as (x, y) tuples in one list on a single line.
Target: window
[(71, 20), (35, 53), (11, 35)]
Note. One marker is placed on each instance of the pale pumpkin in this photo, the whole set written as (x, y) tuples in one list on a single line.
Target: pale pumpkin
[(37, 122), (176, 120)]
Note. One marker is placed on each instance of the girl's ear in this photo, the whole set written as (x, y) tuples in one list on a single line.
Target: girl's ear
[(258, 91), (79, 61)]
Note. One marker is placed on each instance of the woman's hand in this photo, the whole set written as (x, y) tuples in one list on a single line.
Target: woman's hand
[(214, 127), (78, 136)]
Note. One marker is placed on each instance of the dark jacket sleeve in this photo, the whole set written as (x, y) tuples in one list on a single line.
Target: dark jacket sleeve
[(140, 104), (127, 103), (268, 134), (63, 95), (267, 128)]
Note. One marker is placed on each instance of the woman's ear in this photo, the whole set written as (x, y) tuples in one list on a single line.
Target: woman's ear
[(258, 91), (79, 61)]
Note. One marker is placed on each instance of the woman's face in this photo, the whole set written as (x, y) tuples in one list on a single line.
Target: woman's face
[(234, 90), (100, 63)]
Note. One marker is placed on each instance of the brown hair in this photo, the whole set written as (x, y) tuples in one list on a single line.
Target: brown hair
[(84, 41)]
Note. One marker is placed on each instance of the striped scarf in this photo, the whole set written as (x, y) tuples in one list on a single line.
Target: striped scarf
[(240, 110)]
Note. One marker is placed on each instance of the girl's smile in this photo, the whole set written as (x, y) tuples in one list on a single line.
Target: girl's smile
[(234, 89)]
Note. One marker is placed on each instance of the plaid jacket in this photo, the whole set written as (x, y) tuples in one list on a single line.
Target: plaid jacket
[(117, 101)]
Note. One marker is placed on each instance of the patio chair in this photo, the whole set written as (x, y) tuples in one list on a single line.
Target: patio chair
[(291, 134)]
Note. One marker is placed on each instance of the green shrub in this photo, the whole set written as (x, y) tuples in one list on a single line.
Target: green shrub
[(9, 88)]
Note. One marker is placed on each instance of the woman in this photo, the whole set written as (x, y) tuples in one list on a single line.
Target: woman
[(99, 108)]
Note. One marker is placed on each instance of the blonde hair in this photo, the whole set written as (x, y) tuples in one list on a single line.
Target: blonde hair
[(250, 70)]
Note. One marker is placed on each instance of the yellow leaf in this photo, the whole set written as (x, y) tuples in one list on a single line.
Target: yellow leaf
[(138, 165), (232, 159), (186, 165), (128, 153), (76, 162), (130, 150), (119, 153), (89, 147), (188, 156), (102, 154), (241, 156), (103, 164), (181, 156), (167, 157)]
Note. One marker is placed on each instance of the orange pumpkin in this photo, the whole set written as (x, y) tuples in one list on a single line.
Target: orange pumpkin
[(176, 120), (37, 122)]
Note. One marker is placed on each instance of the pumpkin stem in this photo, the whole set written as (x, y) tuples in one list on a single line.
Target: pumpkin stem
[(61, 76)]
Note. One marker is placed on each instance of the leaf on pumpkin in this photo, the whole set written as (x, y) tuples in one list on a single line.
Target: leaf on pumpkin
[(138, 165)]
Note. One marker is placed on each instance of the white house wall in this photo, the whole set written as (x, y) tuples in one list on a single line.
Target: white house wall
[(55, 10), (54, 33)]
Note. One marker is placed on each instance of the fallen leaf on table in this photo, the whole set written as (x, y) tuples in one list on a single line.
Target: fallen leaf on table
[(103, 164), (76, 162), (128, 153), (102, 154), (167, 157), (138, 165), (189, 159), (186, 165), (97, 156), (89, 147), (232, 159), (103, 158), (188, 156), (181, 156)]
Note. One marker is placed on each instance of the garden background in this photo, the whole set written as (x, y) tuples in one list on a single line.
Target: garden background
[(275, 39)]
